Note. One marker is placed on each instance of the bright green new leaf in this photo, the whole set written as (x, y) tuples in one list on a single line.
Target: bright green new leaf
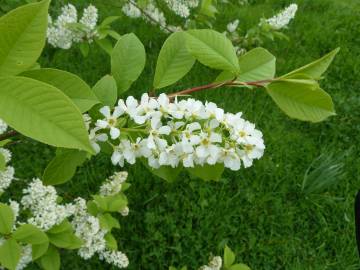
[(174, 61), (229, 257), (30, 234), (305, 101), (208, 8), (42, 112), (63, 166), (108, 222), (316, 68), (51, 259), (109, 20), (164, 172), (71, 85), (84, 49), (64, 226), (258, 64), (208, 172), (22, 37), (65, 239), (212, 49), (127, 61), (106, 90), (114, 203), (2, 163), (105, 44), (7, 219), (111, 242), (10, 253), (39, 250), (239, 266)]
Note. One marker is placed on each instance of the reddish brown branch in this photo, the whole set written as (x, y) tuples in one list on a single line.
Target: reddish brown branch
[(8, 135)]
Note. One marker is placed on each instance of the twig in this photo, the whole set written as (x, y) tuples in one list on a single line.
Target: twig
[(8, 135)]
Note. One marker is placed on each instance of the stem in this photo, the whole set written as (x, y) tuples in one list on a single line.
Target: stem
[(8, 135), (260, 83), (149, 16)]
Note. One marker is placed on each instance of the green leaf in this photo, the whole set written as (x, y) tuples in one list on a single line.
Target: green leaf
[(208, 9), (70, 84), (106, 90), (174, 61), (229, 257), (39, 250), (258, 64), (7, 219), (51, 259), (63, 166), (105, 44), (109, 20), (10, 253), (239, 266), (111, 203), (164, 172), (302, 100), (64, 226), (316, 68), (30, 234), (108, 222), (111, 242), (212, 49), (208, 172), (42, 112), (2, 162), (84, 49), (65, 239), (22, 37), (127, 61)]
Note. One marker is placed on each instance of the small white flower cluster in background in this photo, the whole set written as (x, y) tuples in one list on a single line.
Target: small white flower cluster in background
[(153, 14), (214, 264), (26, 257), (3, 127), (232, 26), (113, 185), (6, 176), (42, 202), (282, 19), (61, 34), (186, 132)]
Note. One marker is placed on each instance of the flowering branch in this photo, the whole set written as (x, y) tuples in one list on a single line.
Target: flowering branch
[(217, 85)]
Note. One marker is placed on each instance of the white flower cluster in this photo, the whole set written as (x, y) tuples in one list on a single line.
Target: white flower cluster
[(61, 34), (113, 185), (182, 7), (186, 132), (152, 13), (88, 229), (26, 257), (3, 127), (6, 176), (232, 26), (42, 202), (214, 264), (282, 19)]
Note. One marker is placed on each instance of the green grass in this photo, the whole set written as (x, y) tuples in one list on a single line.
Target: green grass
[(261, 212)]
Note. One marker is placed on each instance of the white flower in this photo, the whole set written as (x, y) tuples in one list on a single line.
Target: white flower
[(6, 177), (111, 120), (6, 153), (282, 19), (15, 207), (232, 26), (131, 11), (42, 202), (3, 126), (95, 138), (179, 7), (208, 148), (214, 264), (113, 185), (125, 211), (25, 257), (116, 258)]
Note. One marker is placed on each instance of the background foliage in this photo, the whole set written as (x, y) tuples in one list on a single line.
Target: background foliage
[(261, 212)]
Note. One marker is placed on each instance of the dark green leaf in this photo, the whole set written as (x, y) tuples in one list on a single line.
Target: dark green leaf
[(208, 172)]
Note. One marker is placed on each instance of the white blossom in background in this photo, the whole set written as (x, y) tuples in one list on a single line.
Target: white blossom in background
[(113, 185), (179, 7), (15, 207), (61, 35), (214, 264), (232, 26), (42, 202), (6, 176), (186, 132), (3, 126), (26, 257), (283, 18), (116, 258)]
